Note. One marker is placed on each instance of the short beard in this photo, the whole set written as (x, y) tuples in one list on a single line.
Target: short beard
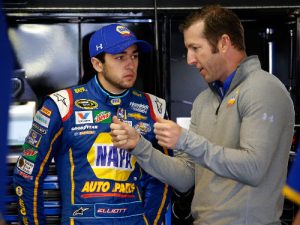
[(115, 83)]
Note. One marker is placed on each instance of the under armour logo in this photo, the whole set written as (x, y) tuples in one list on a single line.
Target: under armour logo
[(99, 47), (267, 117)]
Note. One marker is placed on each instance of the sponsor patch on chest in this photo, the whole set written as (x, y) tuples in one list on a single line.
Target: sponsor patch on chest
[(109, 162)]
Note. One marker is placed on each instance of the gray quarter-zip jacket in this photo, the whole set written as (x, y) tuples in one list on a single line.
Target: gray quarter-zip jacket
[(235, 152)]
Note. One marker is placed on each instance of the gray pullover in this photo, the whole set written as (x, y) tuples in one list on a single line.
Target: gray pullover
[(235, 152)]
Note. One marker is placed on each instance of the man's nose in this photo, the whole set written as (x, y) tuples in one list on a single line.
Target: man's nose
[(191, 59), (130, 62)]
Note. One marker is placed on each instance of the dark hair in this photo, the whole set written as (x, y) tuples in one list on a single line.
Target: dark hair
[(101, 57), (217, 21)]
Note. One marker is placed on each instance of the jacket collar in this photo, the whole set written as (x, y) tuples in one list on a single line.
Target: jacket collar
[(243, 71), (104, 96)]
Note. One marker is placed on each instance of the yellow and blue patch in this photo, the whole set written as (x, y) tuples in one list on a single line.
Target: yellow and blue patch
[(109, 162)]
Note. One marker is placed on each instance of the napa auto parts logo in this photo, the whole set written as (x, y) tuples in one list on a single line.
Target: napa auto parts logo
[(123, 30), (109, 162)]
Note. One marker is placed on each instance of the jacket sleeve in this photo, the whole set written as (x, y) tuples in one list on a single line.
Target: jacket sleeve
[(41, 143), (156, 194)]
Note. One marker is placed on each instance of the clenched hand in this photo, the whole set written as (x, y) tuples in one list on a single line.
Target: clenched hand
[(167, 132), (123, 135)]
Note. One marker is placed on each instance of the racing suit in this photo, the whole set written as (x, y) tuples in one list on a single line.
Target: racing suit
[(99, 183)]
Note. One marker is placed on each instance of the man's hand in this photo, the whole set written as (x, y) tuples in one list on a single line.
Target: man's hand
[(123, 135), (167, 132)]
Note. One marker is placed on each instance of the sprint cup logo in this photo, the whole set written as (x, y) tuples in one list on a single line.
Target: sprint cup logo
[(109, 162)]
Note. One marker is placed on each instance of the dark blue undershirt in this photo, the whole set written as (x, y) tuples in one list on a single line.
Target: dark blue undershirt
[(222, 88)]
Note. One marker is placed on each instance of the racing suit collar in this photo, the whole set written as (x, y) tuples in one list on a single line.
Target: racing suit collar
[(106, 97)]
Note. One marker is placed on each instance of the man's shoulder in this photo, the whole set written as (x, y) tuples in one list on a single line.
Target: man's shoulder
[(263, 81), (68, 92), (152, 96), (141, 94), (63, 100), (158, 104)]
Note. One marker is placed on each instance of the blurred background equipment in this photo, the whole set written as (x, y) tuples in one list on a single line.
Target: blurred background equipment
[(181, 208)]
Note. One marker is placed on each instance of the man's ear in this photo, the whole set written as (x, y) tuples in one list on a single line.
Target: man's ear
[(97, 65), (224, 43)]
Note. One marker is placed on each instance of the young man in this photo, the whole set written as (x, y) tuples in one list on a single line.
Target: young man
[(100, 184), (236, 150)]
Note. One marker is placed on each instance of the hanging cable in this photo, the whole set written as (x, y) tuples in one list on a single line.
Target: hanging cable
[(157, 79)]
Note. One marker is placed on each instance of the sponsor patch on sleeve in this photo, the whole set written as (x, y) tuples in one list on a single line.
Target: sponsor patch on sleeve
[(29, 152), (33, 138), (46, 111), (25, 165), (41, 119), (19, 191)]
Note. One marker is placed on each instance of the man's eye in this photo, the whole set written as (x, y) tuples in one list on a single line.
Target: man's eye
[(119, 57), (135, 56)]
